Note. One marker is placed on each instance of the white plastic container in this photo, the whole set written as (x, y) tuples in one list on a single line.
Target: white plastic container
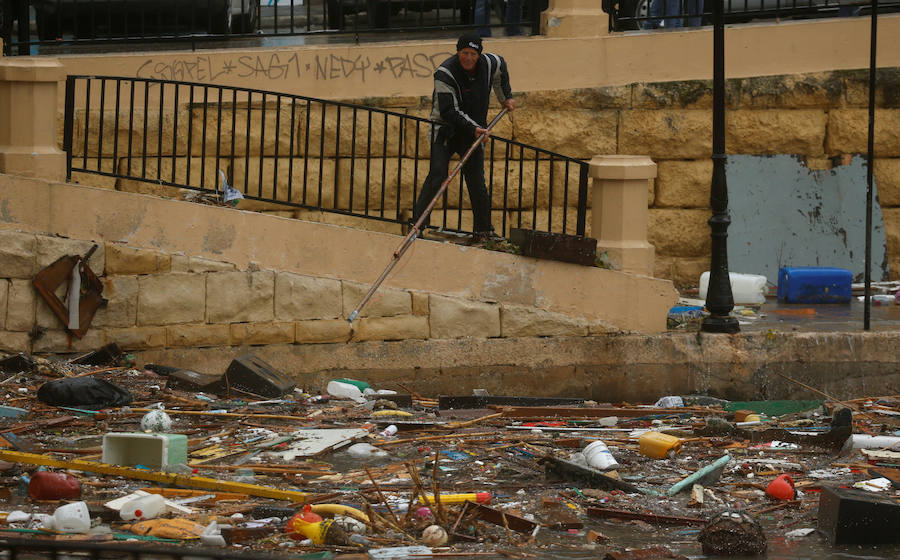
[(389, 431), (366, 451), (72, 518), (143, 508), (343, 390), (670, 402), (863, 441), (599, 457), (747, 289)]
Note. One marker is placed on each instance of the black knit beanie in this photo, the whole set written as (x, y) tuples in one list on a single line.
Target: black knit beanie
[(470, 40)]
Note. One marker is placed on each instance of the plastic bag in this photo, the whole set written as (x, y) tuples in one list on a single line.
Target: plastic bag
[(83, 392)]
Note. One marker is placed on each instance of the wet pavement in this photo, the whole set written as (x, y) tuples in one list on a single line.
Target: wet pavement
[(788, 317)]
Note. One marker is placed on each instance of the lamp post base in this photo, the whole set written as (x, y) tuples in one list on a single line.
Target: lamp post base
[(723, 324)]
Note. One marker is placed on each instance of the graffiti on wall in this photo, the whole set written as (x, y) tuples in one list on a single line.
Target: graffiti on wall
[(295, 66)]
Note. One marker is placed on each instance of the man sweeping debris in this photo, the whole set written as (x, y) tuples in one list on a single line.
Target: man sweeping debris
[(462, 86), (459, 107)]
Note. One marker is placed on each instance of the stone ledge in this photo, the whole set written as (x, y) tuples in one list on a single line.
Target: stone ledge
[(262, 333), (401, 327), (198, 335), (608, 367)]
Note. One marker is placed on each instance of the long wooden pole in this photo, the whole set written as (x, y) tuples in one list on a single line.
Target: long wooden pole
[(416, 228)]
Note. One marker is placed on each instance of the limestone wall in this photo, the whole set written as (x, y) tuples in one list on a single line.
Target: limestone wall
[(820, 117), (160, 300)]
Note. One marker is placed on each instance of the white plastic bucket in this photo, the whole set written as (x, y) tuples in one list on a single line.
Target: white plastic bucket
[(599, 457), (72, 518), (747, 289)]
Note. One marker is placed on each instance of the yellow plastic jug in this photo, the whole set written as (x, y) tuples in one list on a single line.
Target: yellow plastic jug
[(658, 446)]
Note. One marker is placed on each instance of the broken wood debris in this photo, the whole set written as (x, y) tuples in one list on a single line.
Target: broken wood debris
[(252, 462)]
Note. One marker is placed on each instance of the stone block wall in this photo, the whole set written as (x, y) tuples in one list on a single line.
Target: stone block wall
[(819, 117), (158, 300)]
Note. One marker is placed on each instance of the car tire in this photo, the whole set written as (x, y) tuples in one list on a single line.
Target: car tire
[(245, 22), (335, 14), (220, 21), (633, 9)]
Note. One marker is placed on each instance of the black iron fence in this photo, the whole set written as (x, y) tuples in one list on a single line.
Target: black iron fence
[(668, 14), (282, 151), (41, 26)]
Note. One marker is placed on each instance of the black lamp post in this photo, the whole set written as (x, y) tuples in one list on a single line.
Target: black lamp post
[(719, 299)]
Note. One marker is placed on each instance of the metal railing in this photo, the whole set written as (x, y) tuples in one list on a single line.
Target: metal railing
[(667, 14), (52, 26), (288, 151)]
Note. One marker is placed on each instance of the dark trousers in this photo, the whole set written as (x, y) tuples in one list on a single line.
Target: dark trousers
[(473, 172)]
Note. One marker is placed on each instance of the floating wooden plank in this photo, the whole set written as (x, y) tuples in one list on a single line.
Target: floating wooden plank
[(648, 517), (446, 402), (549, 412), (567, 470), (154, 476), (507, 520)]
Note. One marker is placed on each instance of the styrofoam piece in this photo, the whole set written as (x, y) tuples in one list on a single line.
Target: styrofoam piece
[(155, 451), (171, 507)]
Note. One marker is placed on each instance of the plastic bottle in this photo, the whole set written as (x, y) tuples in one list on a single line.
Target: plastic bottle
[(143, 508), (72, 518), (599, 457), (343, 390), (658, 445), (46, 485), (361, 385)]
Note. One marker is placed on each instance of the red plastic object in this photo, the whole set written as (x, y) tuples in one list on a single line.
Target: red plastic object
[(46, 485), (782, 488), (301, 518)]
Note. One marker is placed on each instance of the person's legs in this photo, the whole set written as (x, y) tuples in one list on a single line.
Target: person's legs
[(513, 17), (695, 9), (437, 172), (673, 10), (473, 171), (655, 10), (483, 17)]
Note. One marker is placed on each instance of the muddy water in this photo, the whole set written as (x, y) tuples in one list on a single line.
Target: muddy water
[(684, 541)]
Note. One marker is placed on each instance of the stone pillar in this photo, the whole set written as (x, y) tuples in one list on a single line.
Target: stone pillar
[(574, 18), (28, 102), (619, 219)]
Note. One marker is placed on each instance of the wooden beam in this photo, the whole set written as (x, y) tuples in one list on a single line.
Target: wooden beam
[(154, 476)]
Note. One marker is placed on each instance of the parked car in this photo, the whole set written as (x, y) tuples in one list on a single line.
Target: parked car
[(742, 10), (379, 12), (106, 18)]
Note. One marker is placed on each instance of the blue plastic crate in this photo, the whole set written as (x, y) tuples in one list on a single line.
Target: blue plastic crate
[(814, 285)]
